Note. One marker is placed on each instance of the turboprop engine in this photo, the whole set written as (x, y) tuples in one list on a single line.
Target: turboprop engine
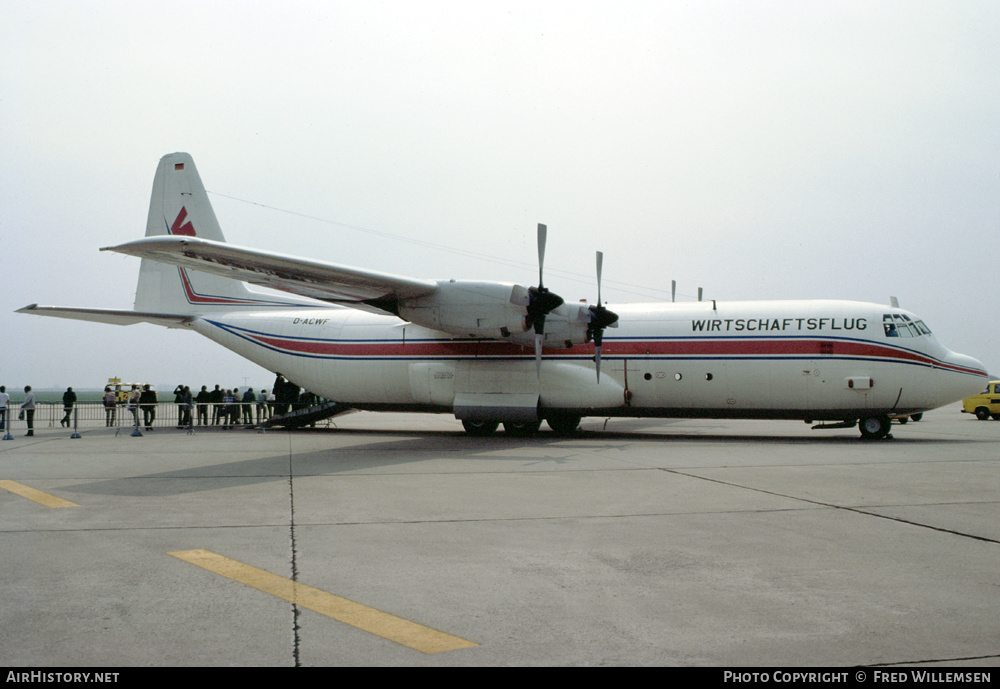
[(522, 315), (495, 310)]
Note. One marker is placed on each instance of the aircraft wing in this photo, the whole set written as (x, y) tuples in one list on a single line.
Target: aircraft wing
[(112, 316), (316, 279)]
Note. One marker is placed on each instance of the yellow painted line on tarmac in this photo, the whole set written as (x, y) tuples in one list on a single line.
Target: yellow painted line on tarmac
[(38, 496), (410, 634)]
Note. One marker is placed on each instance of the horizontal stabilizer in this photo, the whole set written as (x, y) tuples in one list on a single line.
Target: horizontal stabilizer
[(112, 316), (316, 279)]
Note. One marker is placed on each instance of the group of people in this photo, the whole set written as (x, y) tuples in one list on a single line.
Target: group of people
[(228, 407), (27, 413), (140, 399)]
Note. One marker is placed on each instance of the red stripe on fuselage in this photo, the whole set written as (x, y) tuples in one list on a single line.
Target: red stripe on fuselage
[(814, 347)]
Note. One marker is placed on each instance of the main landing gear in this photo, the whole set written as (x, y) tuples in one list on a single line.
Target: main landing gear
[(561, 425), (480, 428)]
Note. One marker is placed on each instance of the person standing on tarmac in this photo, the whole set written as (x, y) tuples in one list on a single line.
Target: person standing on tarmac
[(147, 401), (133, 404), (4, 402), (247, 403), (69, 399), (215, 397), (262, 406), (28, 410), (179, 401), (278, 408), (185, 408), (227, 403), (203, 398), (110, 406)]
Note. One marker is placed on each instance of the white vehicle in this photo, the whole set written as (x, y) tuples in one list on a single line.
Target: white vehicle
[(494, 353)]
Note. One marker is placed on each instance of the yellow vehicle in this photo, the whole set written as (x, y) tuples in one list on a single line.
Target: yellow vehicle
[(121, 390), (986, 404)]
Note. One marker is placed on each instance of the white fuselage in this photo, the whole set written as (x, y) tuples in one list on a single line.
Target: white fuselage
[(493, 352), (823, 360)]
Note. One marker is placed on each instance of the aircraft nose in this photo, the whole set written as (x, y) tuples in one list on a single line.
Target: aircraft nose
[(967, 362), (974, 375)]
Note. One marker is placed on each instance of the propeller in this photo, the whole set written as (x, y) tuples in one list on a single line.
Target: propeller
[(600, 318), (541, 301)]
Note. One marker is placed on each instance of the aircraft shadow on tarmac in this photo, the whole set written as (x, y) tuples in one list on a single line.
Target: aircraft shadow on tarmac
[(403, 449), (406, 447)]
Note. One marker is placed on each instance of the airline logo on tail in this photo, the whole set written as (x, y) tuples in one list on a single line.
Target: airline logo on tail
[(180, 227), (187, 229)]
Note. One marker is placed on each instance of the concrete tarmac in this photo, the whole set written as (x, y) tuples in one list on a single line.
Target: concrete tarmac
[(638, 542)]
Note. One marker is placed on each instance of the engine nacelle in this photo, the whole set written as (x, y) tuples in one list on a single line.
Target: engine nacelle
[(565, 326), (492, 310), (496, 311)]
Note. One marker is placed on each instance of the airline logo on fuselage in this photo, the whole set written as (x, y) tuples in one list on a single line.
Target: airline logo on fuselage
[(777, 324)]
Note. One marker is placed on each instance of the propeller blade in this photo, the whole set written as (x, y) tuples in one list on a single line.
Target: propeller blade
[(538, 354), (598, 339), (542, 234), (540, 301), (600, 263), (600, 318)]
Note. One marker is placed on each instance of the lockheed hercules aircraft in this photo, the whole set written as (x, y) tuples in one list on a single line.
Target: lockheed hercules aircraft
[(493, 353)]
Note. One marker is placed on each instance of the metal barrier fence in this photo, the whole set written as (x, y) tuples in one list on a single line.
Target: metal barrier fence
[(126, 417)]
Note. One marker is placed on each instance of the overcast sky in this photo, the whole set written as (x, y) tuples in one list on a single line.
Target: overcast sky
[(761, 150)]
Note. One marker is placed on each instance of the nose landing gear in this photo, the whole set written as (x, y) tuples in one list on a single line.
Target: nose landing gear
[(874, 427)]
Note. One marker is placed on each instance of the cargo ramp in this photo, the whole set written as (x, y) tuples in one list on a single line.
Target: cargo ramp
[(307, 415)]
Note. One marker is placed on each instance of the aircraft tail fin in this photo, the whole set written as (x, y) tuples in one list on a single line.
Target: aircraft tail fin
[(167, 294), (179, 206)]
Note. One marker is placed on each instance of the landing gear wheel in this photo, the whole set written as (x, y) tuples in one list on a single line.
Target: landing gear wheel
[(916, 417), (480, 428), (521, 429), (564, 424), (983, 414), (874, 427)]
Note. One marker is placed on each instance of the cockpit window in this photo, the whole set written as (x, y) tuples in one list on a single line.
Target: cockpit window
[(901, 325)]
